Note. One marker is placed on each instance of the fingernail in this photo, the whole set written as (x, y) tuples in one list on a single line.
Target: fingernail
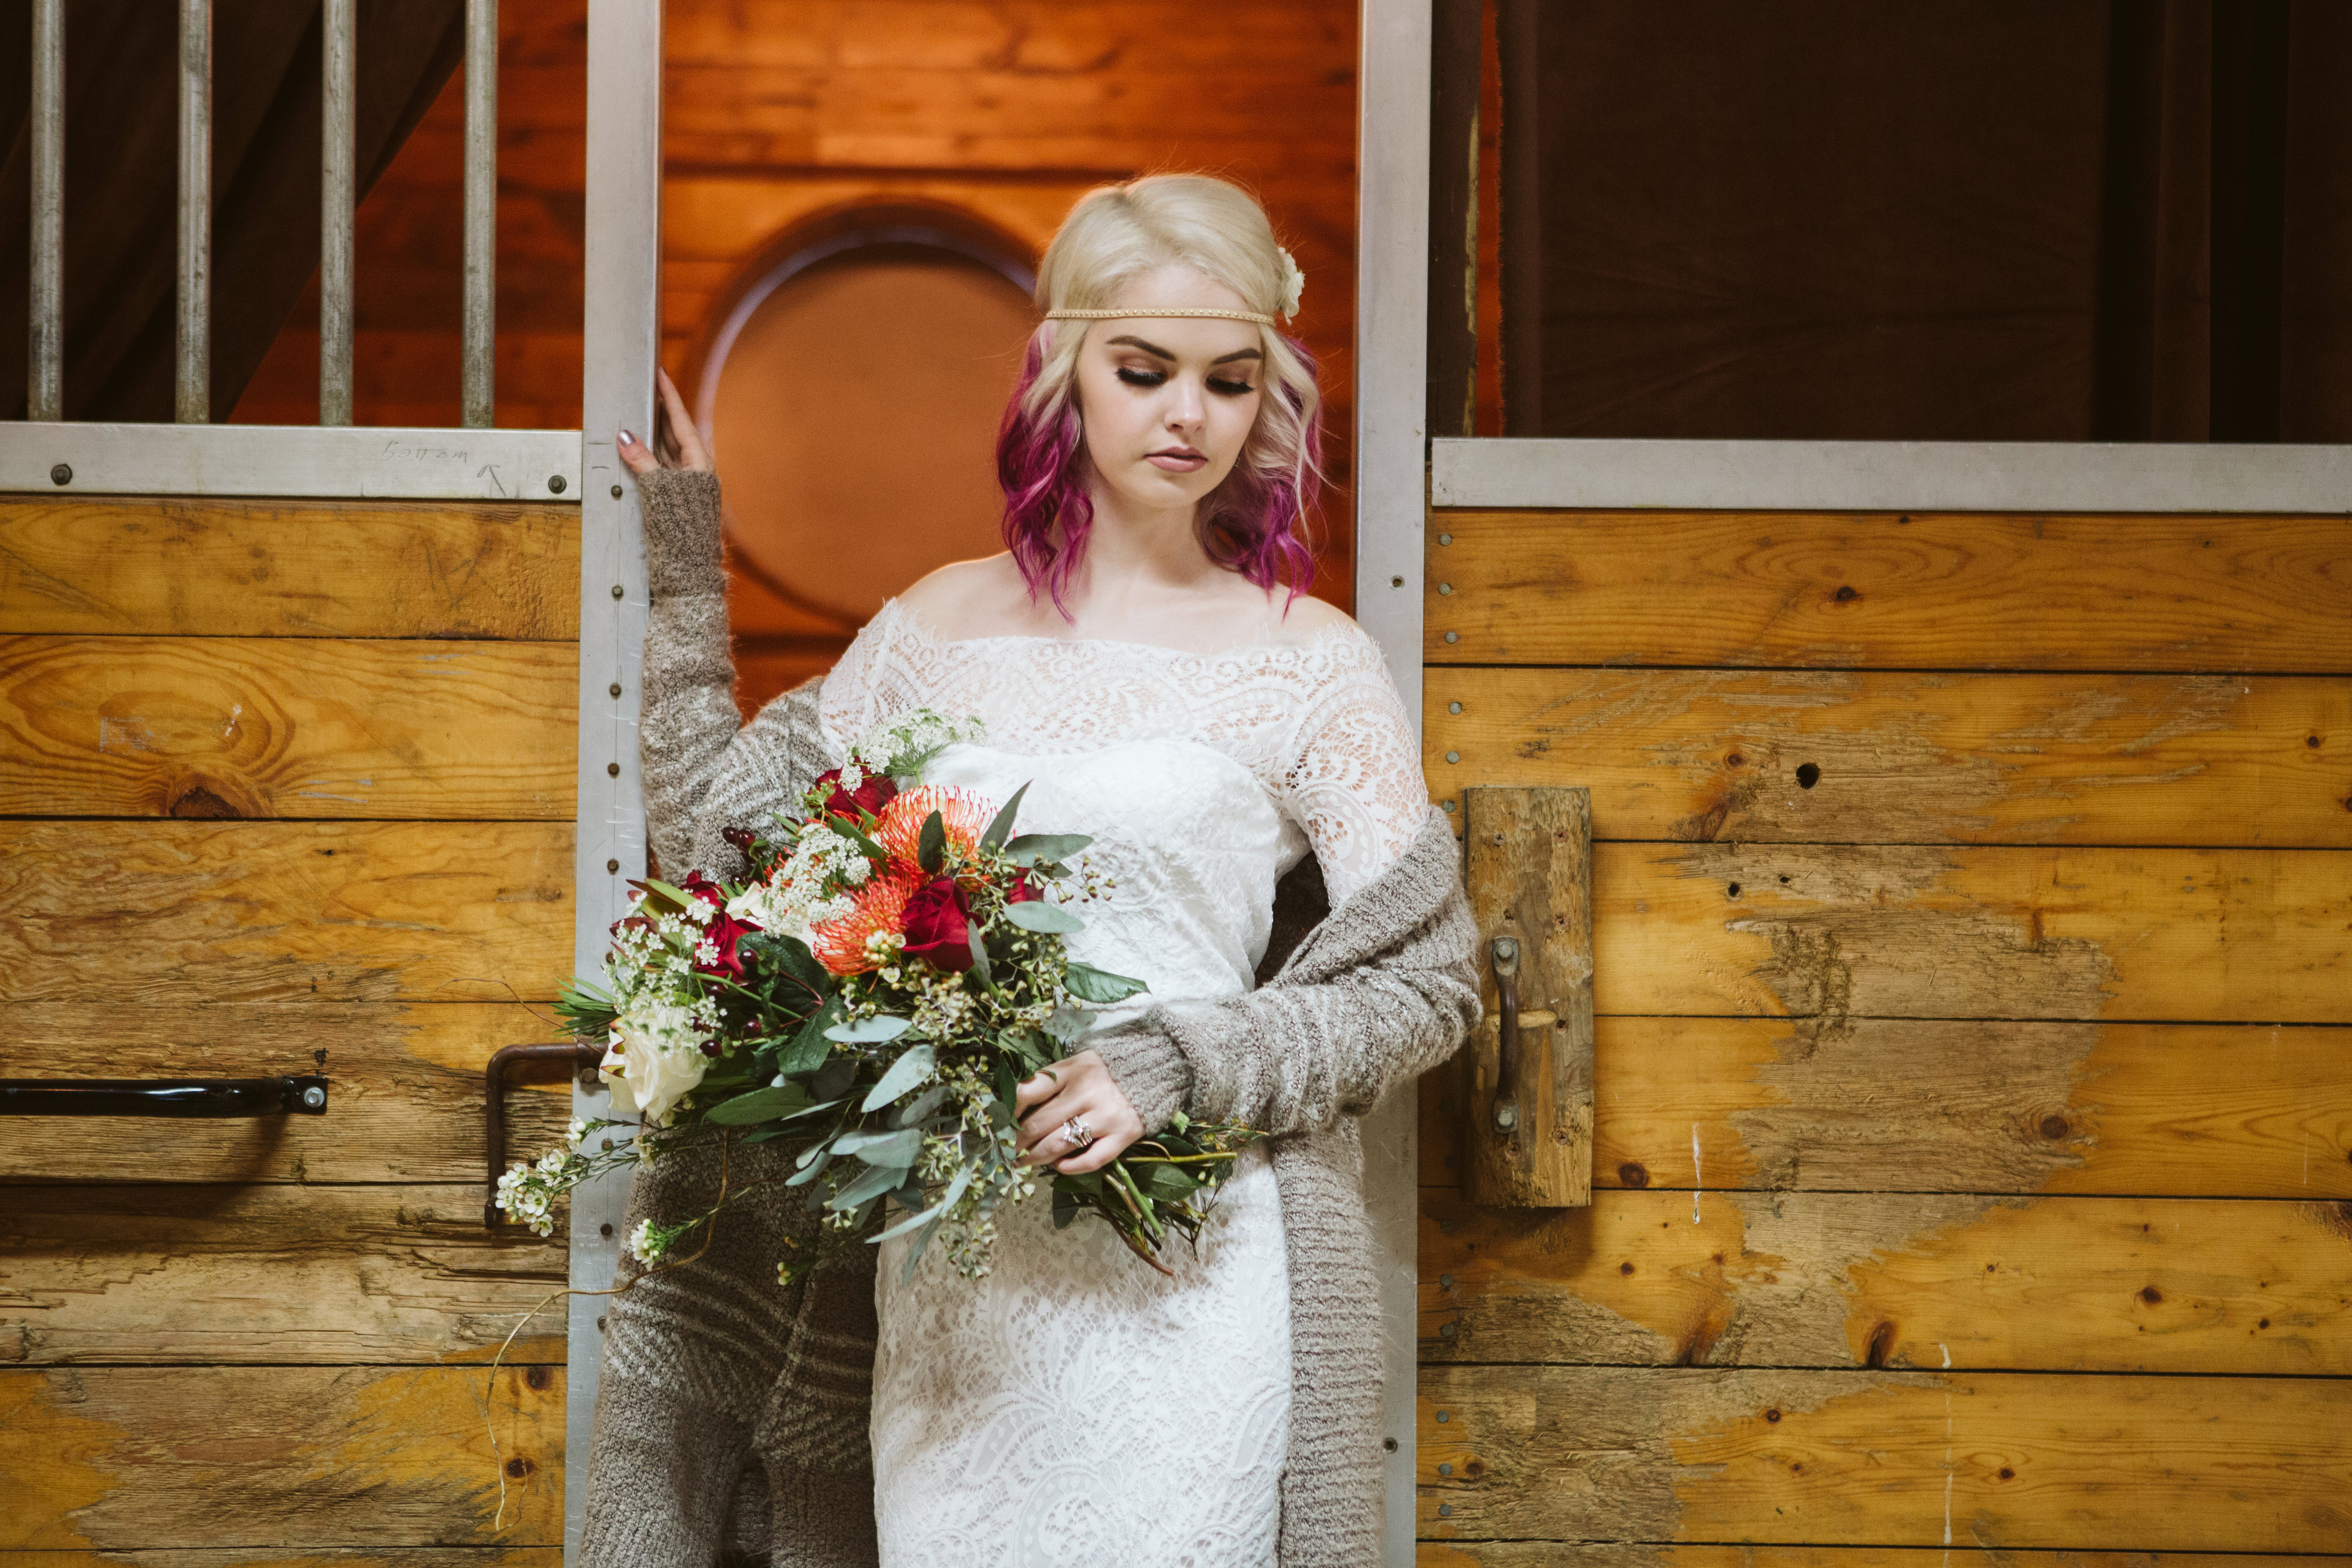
[(627, 440)]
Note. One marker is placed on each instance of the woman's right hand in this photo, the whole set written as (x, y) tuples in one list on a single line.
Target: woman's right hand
[(676, 443)]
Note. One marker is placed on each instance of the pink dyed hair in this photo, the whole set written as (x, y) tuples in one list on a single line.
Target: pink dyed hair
[(1254, 523)]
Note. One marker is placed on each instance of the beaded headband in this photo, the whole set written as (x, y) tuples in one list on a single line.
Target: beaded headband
[(1143, 312)]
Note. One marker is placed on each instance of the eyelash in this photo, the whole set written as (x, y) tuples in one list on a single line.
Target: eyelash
[(1149, 379)]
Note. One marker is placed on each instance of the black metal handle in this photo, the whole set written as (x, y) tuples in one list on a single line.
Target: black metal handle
[(1506, 954), (494, 1104), (295, 1094)]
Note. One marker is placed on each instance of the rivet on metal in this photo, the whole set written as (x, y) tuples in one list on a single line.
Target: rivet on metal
[(1396, 582), (612, 865), (61, 475), (616, 492), (615, 688), (555, 484), (613, 768)]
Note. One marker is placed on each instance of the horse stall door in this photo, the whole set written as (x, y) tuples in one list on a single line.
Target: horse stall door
[(1972, 1083), (279, 778)]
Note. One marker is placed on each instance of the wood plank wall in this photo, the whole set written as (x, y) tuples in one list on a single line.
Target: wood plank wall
[(277, 778), (1973, 1082)]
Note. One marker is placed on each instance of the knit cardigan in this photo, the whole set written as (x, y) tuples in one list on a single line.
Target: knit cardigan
[(733, 1412)]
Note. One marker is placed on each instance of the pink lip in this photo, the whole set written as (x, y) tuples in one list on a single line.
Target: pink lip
[(1178, 460)]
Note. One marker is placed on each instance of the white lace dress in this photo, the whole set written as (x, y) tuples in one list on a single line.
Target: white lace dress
[(1001, 1428)]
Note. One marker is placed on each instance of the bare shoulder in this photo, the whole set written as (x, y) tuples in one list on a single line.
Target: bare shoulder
[(966, 595), (1308, 619)]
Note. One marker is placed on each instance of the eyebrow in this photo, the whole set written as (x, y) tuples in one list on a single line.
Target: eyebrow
[(1156, 351)]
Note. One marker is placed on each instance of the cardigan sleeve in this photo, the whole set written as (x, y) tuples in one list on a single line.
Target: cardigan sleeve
[(1385, 988)]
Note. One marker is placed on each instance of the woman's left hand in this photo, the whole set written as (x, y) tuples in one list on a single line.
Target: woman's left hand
[(1080, 1088)]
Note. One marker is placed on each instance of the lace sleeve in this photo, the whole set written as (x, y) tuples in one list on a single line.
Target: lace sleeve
[(864, 688), (1353, 780)]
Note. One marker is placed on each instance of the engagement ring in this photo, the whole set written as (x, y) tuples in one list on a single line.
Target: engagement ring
[(1079, 1135)]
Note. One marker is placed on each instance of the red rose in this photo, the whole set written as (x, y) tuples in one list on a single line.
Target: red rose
[(875, 792), (1023, 890), (938, 924), (722, 930)]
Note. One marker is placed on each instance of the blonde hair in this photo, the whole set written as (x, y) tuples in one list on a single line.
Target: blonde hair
[(1255, 521)]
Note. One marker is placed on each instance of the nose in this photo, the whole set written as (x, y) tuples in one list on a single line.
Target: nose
[(1187, 410)]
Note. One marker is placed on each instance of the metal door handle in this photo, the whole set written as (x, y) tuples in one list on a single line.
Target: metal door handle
[(494, 1104), (294, 1094)]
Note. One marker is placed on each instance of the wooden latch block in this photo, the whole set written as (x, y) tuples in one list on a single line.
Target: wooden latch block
[(1527, 1131)]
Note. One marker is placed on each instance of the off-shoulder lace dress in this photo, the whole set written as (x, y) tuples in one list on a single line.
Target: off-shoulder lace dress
[(1074, 1406)]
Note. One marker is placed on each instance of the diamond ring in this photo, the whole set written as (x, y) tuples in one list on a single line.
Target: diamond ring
[(1077, 1133)]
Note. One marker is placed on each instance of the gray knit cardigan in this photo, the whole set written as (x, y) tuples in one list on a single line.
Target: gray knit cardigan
[(731, 1416)]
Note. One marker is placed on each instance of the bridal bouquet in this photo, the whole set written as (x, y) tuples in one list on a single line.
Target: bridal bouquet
[(893, 969)]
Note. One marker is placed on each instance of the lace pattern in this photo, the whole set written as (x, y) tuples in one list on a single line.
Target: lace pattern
[(1318, 723)]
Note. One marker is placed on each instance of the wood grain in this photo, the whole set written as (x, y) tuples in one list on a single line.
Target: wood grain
[(1897, 1279), (271, 1274), (1991, 1107), (309, 728), (1530, 884), (288, 569), (1572, 1555), (405, 1081), (2172, 935), (1849, 756), (296, 1457), (115, 912), (2010, 1459), (1948, 591)]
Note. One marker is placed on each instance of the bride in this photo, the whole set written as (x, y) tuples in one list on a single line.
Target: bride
[(1143, 660)]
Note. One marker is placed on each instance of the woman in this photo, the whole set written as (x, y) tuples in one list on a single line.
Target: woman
[(1144, 663)]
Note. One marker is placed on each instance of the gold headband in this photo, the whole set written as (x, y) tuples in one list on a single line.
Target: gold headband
[(1147, 312)]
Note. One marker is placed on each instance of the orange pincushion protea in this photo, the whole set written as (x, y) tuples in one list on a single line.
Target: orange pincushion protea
[(880, 906), (965, 816)]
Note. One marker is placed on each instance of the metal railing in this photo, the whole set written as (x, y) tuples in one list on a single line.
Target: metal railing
[(266, 460)]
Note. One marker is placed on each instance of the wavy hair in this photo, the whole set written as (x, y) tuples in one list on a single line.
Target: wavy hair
[(1256, 521)]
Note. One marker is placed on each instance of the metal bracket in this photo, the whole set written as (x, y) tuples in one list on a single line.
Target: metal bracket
[(494, 1105), (295, 1094)]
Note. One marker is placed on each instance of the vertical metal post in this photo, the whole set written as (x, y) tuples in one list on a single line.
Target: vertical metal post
[(481, 208), (337, 191), (192, 360), (621, 340), (45, 395), (1393, 157)]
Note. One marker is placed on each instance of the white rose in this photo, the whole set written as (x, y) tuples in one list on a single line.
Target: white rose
[(649, 1067)]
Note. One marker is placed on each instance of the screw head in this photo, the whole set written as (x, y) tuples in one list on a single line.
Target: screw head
[(616, 688), (61, 475), (612, 865), (613, 768), (314, 1097), (1454, 636), (555, 484), (1445, 588), (1445, 538), (1453, 757), (618, 591), (1453, 707), (616, 492)]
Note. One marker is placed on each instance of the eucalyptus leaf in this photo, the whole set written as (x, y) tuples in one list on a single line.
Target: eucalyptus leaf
[(877, 1181), (910, 1070), (1030, 849), (1002, 827), (815, 1159), (875, 1030), (947, 1201), (1037, 914), (912, 1114), (897, 1150), (979, 965), (760, 1105), (1067, 1024), (1090, 984)]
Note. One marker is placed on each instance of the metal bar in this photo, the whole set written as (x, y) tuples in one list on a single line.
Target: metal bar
[(1892, 476), (621, 339), (494, 1105), (44, 393), (338, 192), (192, 359), (481, 210), (336, 463), (1393, 144), (302, 1094)]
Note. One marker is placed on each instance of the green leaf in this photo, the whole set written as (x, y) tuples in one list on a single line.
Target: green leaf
[(1030, 849), (866, 846), (811, 1045), (760, 1105), (1039, 915), (869, 1031), (1064, 1025), (897, 1149), (931, 845), (1002, 827), (911, 1068), (660, 892), (818, 1158), (1168, 1183), (946, 1202), (914, 1112), (1090, 984), (980, 964), (1065, 1209), (878, 1180), (790, 956)]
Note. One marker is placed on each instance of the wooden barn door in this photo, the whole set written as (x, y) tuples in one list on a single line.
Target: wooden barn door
[(1972, 925), (279, 778)]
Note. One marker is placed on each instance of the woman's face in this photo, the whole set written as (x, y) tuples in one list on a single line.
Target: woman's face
[(1167, 401)]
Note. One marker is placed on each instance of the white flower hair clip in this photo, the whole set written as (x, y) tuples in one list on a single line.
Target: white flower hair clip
[(1294, 282)]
